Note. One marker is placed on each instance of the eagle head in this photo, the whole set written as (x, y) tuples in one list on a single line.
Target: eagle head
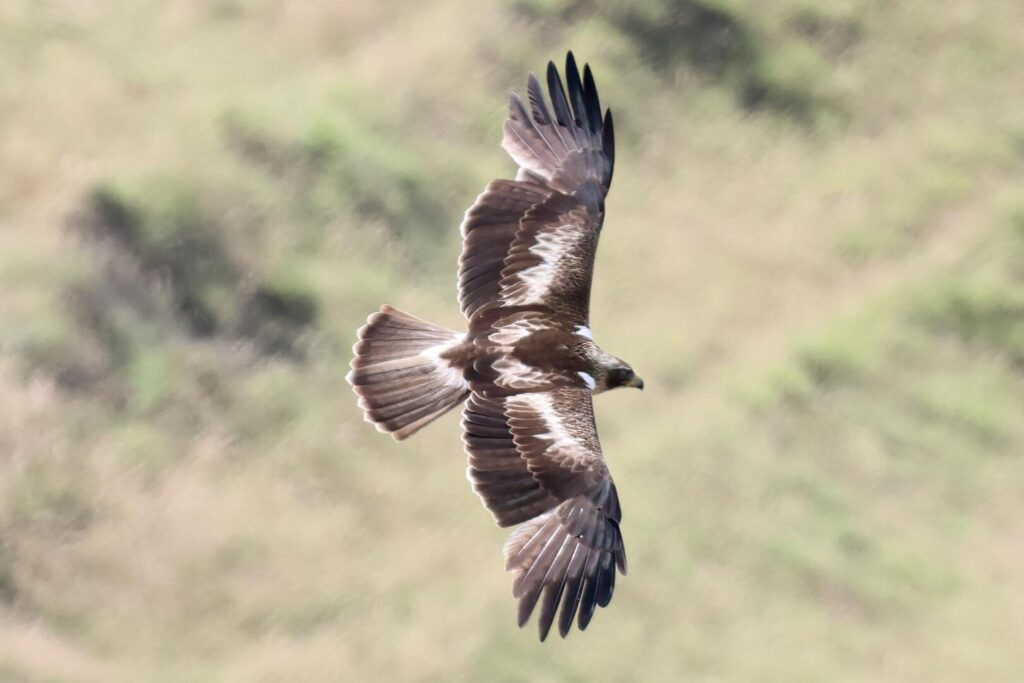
[(618, 375)]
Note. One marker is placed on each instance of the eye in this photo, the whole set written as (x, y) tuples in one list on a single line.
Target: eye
[(619, 376)]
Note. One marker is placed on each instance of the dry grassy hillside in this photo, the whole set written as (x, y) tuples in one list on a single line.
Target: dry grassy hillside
[(814, 255)]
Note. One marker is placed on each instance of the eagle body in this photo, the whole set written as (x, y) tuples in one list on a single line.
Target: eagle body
[(526, 369), (517, 358)]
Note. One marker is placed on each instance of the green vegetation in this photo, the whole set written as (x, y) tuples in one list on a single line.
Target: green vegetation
[(813, 256)]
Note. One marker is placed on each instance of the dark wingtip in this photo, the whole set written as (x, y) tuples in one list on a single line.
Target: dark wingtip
[(526, 606), (588, 604), (553, 77), (606, 586), (608, 144), (591, 100), (585, 615), (572, 72), (575, 85), (544, 625), (559, 101)]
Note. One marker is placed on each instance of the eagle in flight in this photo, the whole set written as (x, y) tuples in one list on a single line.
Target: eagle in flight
[(528, 366)]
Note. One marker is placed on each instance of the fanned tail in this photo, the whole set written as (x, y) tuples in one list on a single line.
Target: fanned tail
[(401, 374)]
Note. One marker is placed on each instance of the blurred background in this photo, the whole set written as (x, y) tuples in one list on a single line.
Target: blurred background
[(814, 255)]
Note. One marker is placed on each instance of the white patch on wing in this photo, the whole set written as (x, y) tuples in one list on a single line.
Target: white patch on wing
[(541, 404), (550, 247), (514, 374), (509, 334), (530, 175), (584, 331), (454, 376), (588, 379)]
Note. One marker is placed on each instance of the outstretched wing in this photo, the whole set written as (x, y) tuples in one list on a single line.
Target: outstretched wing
[(534, 459), (550, 265), (529, 243), (488, 231), (572, 151)]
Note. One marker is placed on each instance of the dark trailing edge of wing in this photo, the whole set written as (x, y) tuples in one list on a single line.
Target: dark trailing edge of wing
[(608, 145), (558, 99)]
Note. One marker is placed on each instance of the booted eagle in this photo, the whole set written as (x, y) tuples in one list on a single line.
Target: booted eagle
[(528, 366)]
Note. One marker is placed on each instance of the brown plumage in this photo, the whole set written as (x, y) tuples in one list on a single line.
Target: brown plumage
[(528, 364)]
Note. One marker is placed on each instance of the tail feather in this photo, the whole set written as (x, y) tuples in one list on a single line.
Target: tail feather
[(400, 375)]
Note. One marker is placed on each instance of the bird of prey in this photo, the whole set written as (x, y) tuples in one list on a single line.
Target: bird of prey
[(528, 367)]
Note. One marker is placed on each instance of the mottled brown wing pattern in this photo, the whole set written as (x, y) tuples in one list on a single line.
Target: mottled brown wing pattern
[(530, 243), (488, 230), (511, 327), (550, 264), (556, 434), (521, 353), (498, 473), (535, 458)]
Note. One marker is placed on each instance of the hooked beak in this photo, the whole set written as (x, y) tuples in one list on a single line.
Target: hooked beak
[(636, 382)]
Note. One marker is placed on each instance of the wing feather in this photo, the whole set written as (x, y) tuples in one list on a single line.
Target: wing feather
[(568, 152), (535, 458), (550, 264), (572, 81), (555, 433), (571, 570), (591, 101), (488, 231), (497, 471), (542, 116), (529, 244), (560, 103)]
